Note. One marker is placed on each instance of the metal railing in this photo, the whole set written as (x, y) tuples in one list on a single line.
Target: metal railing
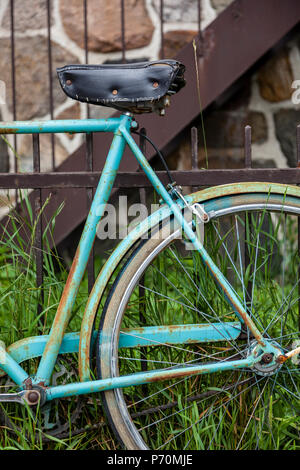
[(85, 12), (87, 180)]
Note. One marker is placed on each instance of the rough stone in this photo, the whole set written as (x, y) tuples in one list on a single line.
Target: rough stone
[(220, 5), (104, 24), (286, 121), (275, 78), (178, 10), (33, 16), (226, 129), (239, 100), (32, 80), (176, 40)]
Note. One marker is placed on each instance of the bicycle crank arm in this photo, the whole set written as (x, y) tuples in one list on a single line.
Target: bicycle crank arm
[(29, 397)]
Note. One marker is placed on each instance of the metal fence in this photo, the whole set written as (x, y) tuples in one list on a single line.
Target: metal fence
[(85, 13), (89, 179), (77, 179)]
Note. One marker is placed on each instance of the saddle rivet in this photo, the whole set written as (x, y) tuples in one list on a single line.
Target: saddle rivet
[(115, 92), (155, 85), (69, 82)]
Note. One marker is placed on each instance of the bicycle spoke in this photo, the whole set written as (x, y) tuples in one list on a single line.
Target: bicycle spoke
[(207, 415), (235, 409)]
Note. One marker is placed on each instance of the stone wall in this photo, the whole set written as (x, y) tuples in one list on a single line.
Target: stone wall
[(264, 102), (67, 33)]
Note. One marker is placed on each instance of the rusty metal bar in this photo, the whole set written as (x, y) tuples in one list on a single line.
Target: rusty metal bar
[(199, 11), (162, 41), (50, 79), (298, 221), (298, 145), (13, 77), (200, 33), (247, 147), (123, 31), (84, 179), (194, 146), (194, 151), (248, 165), (89, 191), (143, 200), (142, 144), (38, 239), (86, 44), (85, 19)]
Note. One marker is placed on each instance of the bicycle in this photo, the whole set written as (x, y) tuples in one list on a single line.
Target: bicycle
[(202, 316)]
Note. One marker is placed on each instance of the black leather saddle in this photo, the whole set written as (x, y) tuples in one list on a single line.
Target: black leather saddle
[(141, 87)]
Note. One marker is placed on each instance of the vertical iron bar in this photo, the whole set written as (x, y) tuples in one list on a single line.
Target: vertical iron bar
[(13, 78), (86, 44), (200, 34), (142, 144), (89, 153), (143, 200), (38, 239), (195, 167), (50, 78), (298, 221), (194, 142), (89, 192), (162, 42), (199, 16), (194, 153), (123, 32), (248, 150), (85, 16), (248, 164)]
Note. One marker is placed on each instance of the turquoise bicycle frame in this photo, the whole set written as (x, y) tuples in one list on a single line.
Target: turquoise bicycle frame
[(48, 347)]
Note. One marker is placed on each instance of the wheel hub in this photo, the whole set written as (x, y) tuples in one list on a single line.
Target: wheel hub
[(263, 368), (268, 363)]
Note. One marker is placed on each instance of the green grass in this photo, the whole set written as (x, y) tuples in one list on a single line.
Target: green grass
[(23, 428), (272, 413), (19, 300)]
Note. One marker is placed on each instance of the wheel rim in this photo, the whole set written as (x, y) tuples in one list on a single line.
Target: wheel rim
[(202, 399)]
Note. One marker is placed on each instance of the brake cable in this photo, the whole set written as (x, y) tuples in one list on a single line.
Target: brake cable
[(172, 182)]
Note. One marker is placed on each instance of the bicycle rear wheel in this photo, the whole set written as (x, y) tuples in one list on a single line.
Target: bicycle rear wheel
[(253, 240)]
